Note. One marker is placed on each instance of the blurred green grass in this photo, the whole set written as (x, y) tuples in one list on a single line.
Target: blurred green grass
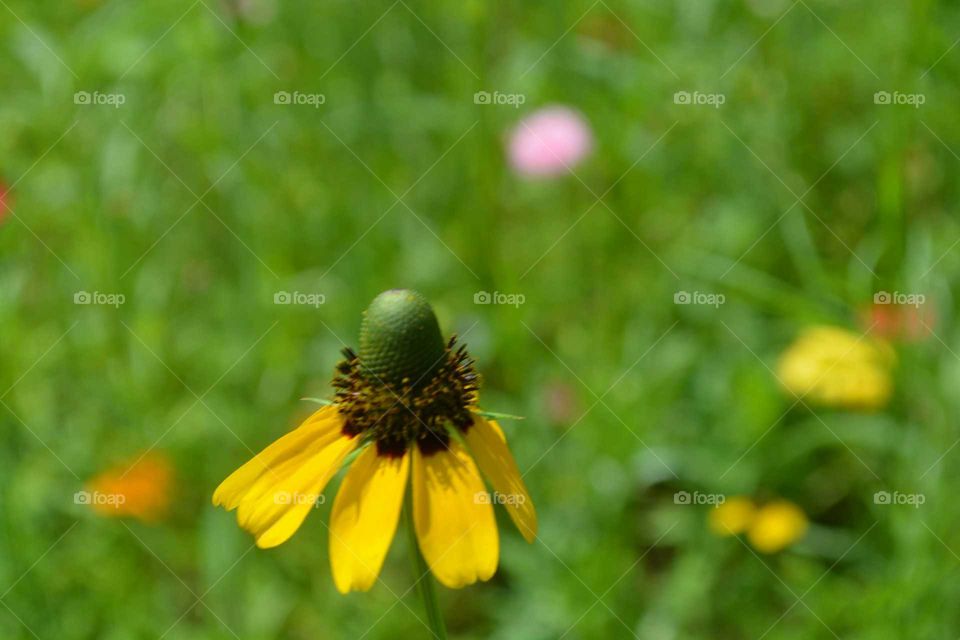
[(199, 198)]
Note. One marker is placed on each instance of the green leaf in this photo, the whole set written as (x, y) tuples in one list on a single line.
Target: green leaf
[(319, 401), (498, 416)]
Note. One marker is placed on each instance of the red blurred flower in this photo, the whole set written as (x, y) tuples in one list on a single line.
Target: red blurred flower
[(902, 322), (4, 201)]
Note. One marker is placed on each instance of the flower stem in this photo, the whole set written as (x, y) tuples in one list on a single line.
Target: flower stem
[(424, 580)]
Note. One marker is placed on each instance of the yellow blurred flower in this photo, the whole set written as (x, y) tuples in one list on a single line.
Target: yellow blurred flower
[(139, 488), (777, 525), (838, 368), (769, 528), (733, 516)]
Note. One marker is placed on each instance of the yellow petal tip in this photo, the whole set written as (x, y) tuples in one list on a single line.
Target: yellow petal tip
[(530, 535)]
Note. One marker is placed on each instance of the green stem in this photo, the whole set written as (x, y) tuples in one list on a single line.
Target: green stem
[(425, 585)]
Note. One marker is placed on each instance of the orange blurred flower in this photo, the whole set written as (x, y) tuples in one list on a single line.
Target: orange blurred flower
[(139, 489)]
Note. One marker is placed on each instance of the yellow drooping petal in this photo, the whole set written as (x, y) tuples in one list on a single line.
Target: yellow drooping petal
[(835, 367), (276, 490), (456, 530), (364, 518), (489, 448), (277, 513), (733, 516), (321, 425), (776, 526)]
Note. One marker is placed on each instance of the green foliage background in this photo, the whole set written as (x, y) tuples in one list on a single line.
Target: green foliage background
[(200, 198)]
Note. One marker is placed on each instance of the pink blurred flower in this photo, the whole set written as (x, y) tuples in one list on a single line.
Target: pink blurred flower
[(258, 12), (550, 142), (559, 402)]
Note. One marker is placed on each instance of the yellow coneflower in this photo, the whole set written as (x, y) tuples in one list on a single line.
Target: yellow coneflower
[(835, 367), (139, 489), (406, 406), (777, 525)]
